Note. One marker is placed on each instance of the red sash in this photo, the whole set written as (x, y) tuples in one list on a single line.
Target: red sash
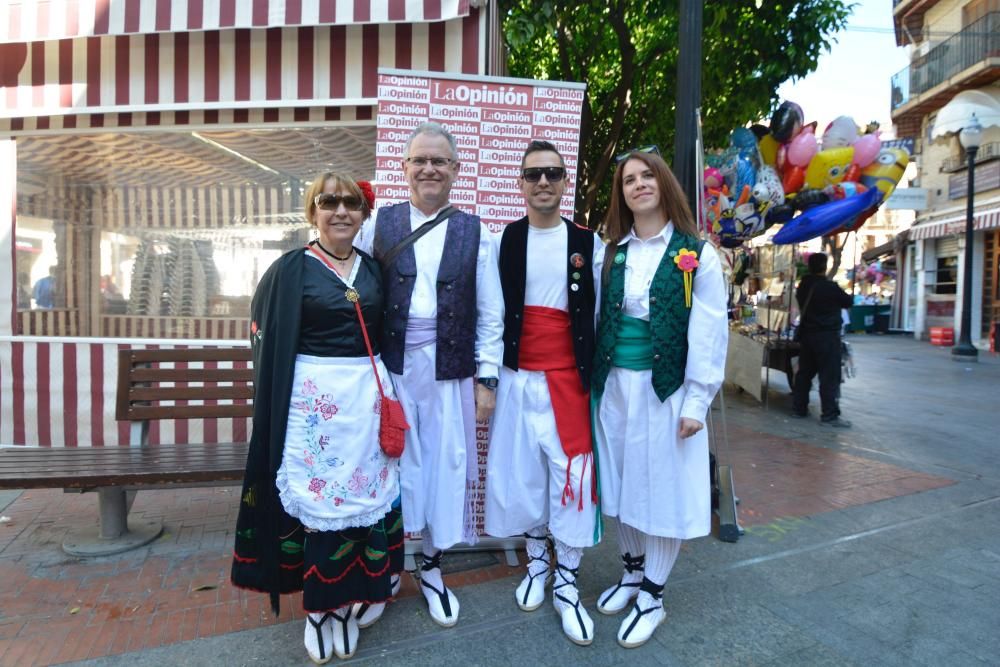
[(547, 345)]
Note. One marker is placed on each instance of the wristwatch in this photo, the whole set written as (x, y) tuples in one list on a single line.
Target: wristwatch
[(489, 383)]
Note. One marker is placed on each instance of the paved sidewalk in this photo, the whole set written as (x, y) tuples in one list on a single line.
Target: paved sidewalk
[(876, 545)]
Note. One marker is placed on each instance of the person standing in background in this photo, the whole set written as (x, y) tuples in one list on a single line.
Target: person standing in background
[(820, 304)]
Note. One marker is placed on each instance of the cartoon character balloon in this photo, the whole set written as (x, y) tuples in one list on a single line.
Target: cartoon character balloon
[(786, 122), (829, 167), (840, 133)]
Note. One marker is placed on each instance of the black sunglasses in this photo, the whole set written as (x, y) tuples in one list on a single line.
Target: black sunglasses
[(330, 202), (655, 150), (552, 174)]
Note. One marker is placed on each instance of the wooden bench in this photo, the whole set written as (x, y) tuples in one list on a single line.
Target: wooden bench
[(147, 391)]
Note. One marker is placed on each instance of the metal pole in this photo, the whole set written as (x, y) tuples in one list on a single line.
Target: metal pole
[(965, 350), (688, 96)]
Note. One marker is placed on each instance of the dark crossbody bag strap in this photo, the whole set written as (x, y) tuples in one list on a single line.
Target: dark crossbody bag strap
[(805, 306), (415, 236)]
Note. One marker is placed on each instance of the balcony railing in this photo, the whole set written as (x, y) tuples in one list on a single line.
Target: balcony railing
[(970, 46), (990, 151)]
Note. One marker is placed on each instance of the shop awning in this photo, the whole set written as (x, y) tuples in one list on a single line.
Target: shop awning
[(877, 252), (285, 58), (43, 20), (989, 219)]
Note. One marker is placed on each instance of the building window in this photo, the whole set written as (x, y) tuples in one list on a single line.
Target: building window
[(163, 235), (977, 9), (946, 275)]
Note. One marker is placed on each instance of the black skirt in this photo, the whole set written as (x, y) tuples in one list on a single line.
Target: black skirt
[(352, 565)]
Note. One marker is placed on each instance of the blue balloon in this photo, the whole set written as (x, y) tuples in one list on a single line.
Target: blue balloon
[(746, 175), (823, 219), (745, 141)]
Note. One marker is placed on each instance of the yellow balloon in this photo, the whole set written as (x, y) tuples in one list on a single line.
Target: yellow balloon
[(768, 146), (829, 167), (886, 170)]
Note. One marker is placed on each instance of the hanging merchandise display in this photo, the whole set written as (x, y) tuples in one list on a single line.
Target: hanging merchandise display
[(784, 174)]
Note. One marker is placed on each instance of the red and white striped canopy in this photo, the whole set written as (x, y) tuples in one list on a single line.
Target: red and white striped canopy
[(44, 20), (245, 54), (982, 220)]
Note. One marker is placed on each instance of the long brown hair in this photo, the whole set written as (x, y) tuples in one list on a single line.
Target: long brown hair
[(673, 203), (343, 182)]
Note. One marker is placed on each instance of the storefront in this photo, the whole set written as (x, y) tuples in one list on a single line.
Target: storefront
[(934, 273), (153, 157)]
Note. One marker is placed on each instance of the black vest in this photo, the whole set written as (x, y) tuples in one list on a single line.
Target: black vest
[(513, 273), (456, 291)]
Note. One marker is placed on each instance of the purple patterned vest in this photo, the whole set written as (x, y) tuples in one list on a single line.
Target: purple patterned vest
[(456, 291)]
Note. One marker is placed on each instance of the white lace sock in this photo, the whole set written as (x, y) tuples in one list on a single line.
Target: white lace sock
[(537, 549)]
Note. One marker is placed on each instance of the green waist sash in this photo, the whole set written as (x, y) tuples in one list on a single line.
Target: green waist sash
[(634, 347)]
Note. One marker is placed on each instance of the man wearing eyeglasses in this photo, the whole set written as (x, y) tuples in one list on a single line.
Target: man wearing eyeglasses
[(443, 325), (541, 461)]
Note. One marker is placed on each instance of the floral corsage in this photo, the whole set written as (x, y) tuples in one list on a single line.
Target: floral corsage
[(687, 261)]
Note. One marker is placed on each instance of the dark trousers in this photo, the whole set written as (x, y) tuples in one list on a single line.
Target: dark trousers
[(819, 355)]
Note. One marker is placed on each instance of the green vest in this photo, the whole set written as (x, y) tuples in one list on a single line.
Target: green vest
[(668, 318)]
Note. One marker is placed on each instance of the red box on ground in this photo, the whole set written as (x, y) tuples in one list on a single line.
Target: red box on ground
[(944, 336)]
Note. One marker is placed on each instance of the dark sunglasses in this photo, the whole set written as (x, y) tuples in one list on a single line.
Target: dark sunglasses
[(641, 149), (329, 202), (552, 174)]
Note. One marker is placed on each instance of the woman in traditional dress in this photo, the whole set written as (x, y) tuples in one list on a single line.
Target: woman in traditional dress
[(660, 360), (316, 512)]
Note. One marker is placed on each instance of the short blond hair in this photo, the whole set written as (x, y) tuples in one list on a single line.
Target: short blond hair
[(342, 182)]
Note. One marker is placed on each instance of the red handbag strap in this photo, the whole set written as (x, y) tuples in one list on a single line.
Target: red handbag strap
[(368, 344), (361, 319)]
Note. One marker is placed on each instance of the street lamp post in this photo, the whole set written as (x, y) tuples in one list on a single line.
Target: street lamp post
[(970, 137)]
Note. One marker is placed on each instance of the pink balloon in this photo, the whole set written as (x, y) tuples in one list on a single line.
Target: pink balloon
[(802, 148), (866, 149)]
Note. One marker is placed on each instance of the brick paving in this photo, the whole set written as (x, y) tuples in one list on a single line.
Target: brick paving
[(55, 608)]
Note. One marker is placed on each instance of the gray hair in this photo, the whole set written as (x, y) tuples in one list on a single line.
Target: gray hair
[(434, 130)]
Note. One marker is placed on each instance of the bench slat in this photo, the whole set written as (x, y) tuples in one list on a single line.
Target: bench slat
[(119, 466), (141, 412), (192, 375), (238, 392), (194, 354)]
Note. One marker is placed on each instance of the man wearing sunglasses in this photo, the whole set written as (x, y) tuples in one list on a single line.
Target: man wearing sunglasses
[(541, 462), (443, 325)]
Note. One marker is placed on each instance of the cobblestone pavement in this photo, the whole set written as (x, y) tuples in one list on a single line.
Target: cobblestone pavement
[(874, 545)]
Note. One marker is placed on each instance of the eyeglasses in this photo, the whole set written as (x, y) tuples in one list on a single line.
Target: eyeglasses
[(552, 174), (330, 202), (655, 150), (437, 162)]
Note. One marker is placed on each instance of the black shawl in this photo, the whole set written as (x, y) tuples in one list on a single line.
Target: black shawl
[(268, 553)]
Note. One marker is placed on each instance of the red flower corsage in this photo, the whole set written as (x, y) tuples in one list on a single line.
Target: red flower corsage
[(368, 192)]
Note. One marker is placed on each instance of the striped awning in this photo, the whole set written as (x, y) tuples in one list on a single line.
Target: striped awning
[(989, 219), (234, 68), (43, 20)]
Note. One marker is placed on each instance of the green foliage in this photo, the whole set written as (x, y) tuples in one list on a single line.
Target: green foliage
[(626, 52)]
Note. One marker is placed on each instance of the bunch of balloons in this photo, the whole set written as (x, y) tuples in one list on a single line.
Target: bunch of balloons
[(784, 174)]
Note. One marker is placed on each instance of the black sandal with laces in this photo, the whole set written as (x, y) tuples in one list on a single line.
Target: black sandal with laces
[(566, 581), (632, 564), (323, 657), (433, 563), (656, 592)]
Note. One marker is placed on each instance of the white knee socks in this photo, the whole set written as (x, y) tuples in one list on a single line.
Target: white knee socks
[(661, 554)]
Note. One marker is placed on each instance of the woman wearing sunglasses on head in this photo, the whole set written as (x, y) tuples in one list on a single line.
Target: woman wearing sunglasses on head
[(660, 360), (316, 511)]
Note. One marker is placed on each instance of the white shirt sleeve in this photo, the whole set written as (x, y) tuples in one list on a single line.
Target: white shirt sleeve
[(489, 306), (365, 240), (708, 337), (598, 264)]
